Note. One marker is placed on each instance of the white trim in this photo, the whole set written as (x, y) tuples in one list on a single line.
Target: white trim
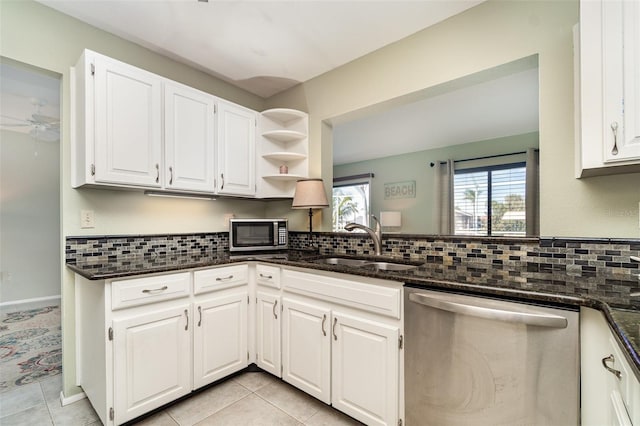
[(37, 299), (71, 399)]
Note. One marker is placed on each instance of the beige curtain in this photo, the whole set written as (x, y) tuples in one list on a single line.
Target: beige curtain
[(533, 192), (443, 203)]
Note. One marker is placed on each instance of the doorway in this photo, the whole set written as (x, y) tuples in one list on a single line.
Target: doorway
[(30, 327)]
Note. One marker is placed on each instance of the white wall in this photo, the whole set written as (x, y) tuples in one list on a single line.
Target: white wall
[(491, 34), (29, 217), (35, 34)]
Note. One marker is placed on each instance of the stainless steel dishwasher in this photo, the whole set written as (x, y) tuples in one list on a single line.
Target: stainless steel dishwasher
[(478, 361)]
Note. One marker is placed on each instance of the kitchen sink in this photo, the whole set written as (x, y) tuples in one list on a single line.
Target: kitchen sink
[(363, 263), (342, 261), (388, 266)]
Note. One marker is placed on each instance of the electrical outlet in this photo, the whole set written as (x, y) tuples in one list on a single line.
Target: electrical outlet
[(87, 219), (226, 217)]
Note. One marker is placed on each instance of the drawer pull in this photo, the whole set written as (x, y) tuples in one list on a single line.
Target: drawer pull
[(275, 304), (613, 371), (266, 276), (224, 278), (155, 290)]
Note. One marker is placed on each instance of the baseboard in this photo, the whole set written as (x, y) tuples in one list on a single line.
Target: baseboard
[(71, 399), (35, 300)]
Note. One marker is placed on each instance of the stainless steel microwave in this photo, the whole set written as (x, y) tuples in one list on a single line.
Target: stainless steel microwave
[(258, 234)]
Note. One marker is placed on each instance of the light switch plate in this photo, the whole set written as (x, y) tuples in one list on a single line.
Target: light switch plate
[(87, 219)]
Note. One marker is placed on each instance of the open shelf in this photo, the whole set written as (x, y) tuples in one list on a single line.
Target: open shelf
[(284, 177), (284, 156), (284, 135), (284, 115)]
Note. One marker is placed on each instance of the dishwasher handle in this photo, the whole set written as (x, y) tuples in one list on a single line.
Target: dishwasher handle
[(528, 318)]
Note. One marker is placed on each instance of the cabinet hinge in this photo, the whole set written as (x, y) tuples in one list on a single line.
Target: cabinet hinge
[(399, 422), (93, 170), (110, 333), (400, 342), (93, 69), (111, 413), (248, 300), (215, 108), (281, 369)]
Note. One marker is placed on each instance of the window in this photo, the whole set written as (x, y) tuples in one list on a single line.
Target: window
[(351, 203), (490, 200)]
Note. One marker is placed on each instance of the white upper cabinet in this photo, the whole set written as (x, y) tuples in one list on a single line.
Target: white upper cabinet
[(236, 149), (608, 88), (189, 138), (119, 118)]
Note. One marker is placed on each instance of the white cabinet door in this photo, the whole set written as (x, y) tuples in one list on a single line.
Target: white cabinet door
[(621, 73), (365, 369), (128, 137), (189, 138), (236, 149), (220, 337), (268, 332), (306, 356), (152, 360)]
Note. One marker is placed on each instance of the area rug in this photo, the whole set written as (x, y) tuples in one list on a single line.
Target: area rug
[(30, 346)]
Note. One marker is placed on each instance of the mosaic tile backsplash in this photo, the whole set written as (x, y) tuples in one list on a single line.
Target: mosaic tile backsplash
[(610, 256)]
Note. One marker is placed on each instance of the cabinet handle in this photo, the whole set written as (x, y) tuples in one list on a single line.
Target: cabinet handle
[(200, 319), (224, 278), (186, 314), (155, 290), (335, 336), (170, 175), (613, 371), (275, 315), (324, 319), (157, 172), (614, 128), (266, 276), (222, 177)]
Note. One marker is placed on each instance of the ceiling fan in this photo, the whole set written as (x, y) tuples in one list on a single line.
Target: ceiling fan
[(42, 127)]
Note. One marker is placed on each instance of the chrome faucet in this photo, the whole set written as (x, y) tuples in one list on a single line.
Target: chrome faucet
[(376, 235)]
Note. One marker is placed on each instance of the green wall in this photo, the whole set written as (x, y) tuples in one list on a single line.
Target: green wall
[(417, 213)]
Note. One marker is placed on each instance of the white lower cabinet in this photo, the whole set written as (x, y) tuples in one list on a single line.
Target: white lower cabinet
[(268, 326), (364, 372), (349, 358), (144, 342), (610, 392), (145, 346), (219, 336), (306, 348)]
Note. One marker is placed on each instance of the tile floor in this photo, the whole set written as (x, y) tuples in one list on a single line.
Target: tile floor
[(252, 398)]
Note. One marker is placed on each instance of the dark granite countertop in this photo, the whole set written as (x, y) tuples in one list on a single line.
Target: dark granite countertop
[(611, 294)]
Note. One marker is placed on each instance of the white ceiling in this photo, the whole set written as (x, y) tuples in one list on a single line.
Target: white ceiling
[(25, 90), (500, 107), (262, 46)]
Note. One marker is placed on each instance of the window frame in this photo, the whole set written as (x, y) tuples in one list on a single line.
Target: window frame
[(489, 169), (353, 181)]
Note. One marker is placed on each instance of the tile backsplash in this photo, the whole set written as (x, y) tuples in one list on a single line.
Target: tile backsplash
[(587, 256)]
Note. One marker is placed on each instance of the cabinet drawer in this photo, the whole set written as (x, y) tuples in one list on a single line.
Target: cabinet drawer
[(372, 296), (140, 291), (268, 276), (219, 278)]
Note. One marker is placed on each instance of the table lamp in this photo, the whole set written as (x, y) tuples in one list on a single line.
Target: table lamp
[(309, 194)]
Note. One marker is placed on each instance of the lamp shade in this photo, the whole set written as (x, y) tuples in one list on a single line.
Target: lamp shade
[(309, 195)]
